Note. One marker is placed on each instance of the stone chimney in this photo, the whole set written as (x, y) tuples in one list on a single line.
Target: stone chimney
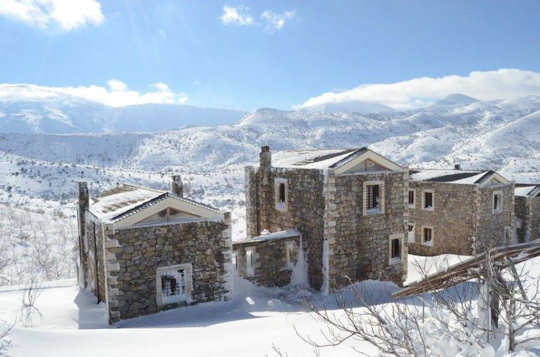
[(265, 163), (457, 167), (177, 187), (84, 199), (265, 157)]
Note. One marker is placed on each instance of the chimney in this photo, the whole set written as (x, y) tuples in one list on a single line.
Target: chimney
[(457, 167), (84, 199), (265, 163), (177, 187), (265, 157)]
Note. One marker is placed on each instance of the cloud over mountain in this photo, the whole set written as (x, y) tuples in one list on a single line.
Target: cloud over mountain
[(419, 92)]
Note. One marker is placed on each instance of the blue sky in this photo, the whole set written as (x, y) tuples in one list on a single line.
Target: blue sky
[(239, 55)]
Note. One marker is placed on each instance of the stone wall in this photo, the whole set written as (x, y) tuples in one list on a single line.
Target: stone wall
[(535, 218), (94, 254), (453, 218), (522, 212), (304, 210), (135, 254), (491, 226), (359, 245), (270, 261)]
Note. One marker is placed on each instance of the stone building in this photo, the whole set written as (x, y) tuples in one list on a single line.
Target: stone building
[(144, 250), (527, 207), (343, 210), (458, 211)]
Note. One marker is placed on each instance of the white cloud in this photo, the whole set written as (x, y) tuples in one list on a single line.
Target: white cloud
[(237, 16), (413, 93), (116, 94), (275, 21), (68, 14)]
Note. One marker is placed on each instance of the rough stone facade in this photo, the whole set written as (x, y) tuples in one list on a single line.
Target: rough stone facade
[(270, 260), (527, 210), (327, 209), (143, 250), (495, 229), (94, 245), (462, 219), (138, 268), (359, 244), (305, 210)]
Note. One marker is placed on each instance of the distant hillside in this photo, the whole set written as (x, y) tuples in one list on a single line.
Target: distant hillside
[(496, 134), (66, 114)]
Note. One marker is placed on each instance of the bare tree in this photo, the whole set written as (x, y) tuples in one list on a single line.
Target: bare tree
[(446, 322), (30, 295), (5, 343)]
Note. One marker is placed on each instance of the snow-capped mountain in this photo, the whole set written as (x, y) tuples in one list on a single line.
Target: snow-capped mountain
[(480, 134), (64, 114)]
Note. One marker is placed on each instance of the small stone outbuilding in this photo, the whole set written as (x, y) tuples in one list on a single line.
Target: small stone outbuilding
[(458, 211), (527, 207), (144, 250), (349, 207), (269, 259)]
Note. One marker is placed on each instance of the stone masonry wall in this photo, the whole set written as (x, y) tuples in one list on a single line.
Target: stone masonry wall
[(522, 212), (270, 261), (491, 226), (453, 218), (96, 279), (360, 247), (134, 255), (535, 218), (304, 212)]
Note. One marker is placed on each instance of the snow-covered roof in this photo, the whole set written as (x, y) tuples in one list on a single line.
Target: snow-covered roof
[(289, 233), (313, 159), (463, 177), (527, 190), (125, 200)]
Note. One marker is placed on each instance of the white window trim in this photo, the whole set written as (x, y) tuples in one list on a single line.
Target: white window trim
[(413, 233), (501, 202), (414, 198), (430, 243), (396, 260), (188, 283), (432, 208), (380, 210), (281, 206), (250, 268)]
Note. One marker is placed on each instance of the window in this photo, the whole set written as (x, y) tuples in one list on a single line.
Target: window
[(395, 248), (373, 197), (497, 202), (410, 233), (289, 253), (250, 269), (233, 260), (281, 194), (427, 236), (174, 284), (427, 200), (411, 198)]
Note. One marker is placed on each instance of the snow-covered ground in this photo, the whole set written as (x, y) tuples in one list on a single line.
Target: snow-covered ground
[(72, 324)]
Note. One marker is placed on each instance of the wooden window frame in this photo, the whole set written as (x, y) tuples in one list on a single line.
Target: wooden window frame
[(430, 242), (373, 211), (432, 208)]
